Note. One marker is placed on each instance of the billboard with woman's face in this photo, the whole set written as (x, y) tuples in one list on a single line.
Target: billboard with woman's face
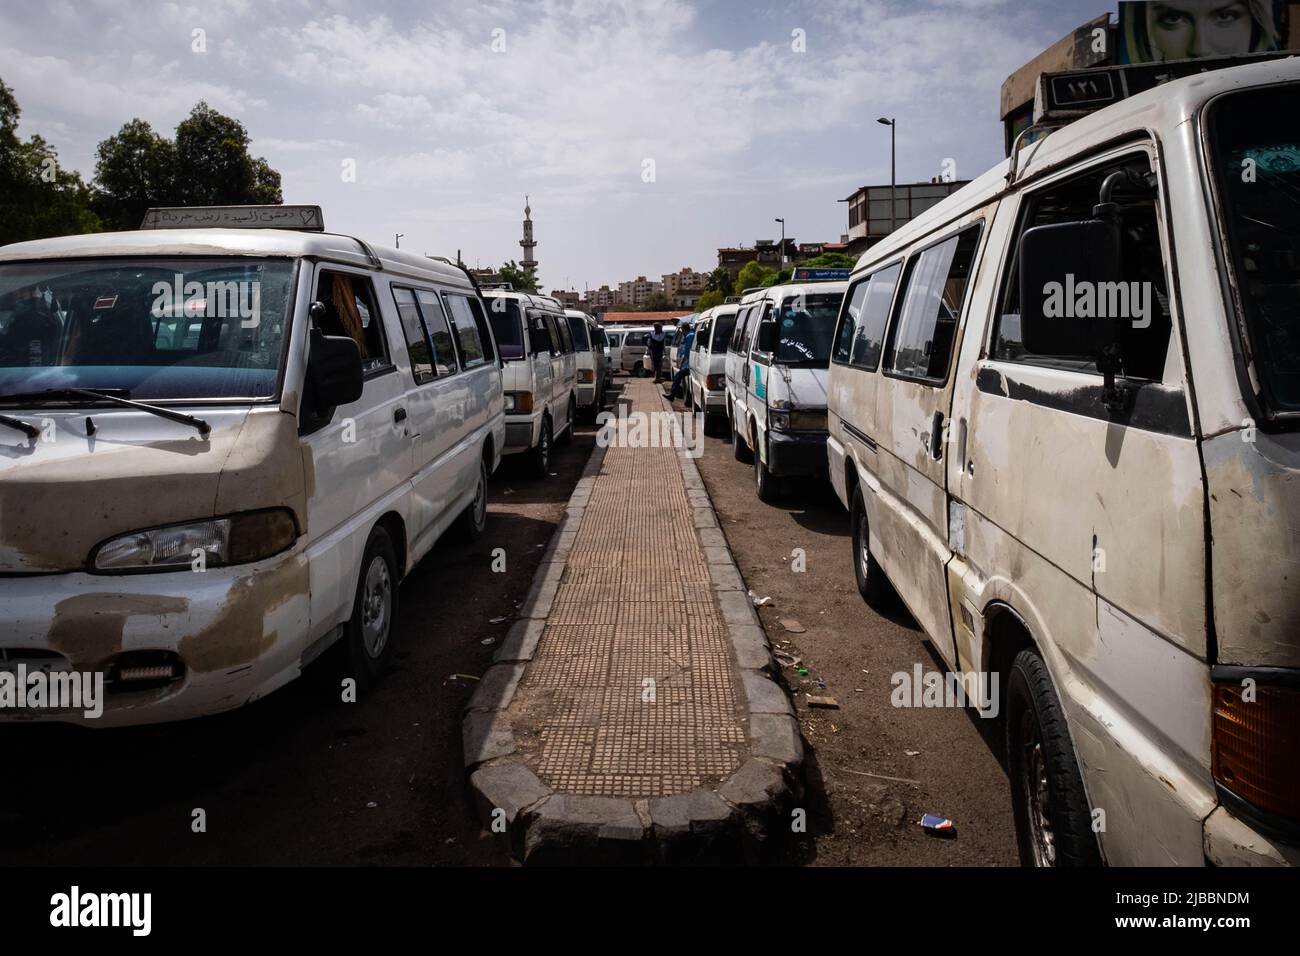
[(1155, 30)]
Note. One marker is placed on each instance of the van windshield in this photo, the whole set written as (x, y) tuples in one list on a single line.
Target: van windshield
[(1255, 136), (507, 327), (807, 326), (578, 327), (158, 328)]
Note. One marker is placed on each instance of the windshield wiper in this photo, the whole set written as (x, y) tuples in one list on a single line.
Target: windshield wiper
[(27, 428), (113, 395)]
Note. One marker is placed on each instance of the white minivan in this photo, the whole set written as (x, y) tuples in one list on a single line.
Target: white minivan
[(775, 371), (592, 362), (1065, 417), (707, 389), (221, 449), (540, 372)]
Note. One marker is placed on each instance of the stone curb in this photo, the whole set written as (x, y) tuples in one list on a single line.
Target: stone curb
[(540, 826)]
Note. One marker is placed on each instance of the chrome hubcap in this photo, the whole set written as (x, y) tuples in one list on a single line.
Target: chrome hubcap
[(376, 607), (1034, 785)]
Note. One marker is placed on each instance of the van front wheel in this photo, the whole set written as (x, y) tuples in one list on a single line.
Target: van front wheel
[(767, 485), (872, 583), (370, 635), (540, 456), (1053, 822), (738, 447)]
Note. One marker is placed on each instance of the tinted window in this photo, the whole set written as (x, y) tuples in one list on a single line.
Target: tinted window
[(921, 344), (578, 330), (740, 333), (468, 338), (876, 292), (484, 331), (701, 342), (507, 327), (723, 326), (562, 328), (807, 326), (435, 320), (763, 314), (540, 335), (417, 340)]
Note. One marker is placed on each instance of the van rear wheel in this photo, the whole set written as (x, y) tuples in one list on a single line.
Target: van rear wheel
[(873, 585), (1053, 821)]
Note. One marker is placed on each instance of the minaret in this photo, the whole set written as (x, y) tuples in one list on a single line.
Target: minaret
[(527, 241)]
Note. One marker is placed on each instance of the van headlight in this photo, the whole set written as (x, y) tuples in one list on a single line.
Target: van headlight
[(519, 402), (237, 539), (778, 419)]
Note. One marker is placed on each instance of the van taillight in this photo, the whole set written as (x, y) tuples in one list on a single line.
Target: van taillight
[(1255, 745)]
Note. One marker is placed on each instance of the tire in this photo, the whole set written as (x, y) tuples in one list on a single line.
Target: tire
[(367, 648), (473, 520), (714, 424), (1053, 820), (873, 585), (766, 484), (539, 457), (566, 437), (738, 447)]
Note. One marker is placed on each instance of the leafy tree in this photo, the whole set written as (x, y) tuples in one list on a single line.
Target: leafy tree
[(754, 276), (720, 281), (520, 279), (656, 302), (37, 198), (207, 164), (135, 169), (709, 300)]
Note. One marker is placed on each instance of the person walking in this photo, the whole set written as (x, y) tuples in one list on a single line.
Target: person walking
[(655, 343), (683, 363)]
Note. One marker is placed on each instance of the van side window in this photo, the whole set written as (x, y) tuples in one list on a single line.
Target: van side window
[(923, 335), (762, 316), (435, 320), (566, 337), (1144, 349), (849, 318), (350, 310), (739, 333), (869, 337), (540, 334), (417, 339), (469, 339)]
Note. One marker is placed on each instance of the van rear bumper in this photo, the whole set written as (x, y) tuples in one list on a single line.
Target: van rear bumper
[(796, 454), (230, 636)]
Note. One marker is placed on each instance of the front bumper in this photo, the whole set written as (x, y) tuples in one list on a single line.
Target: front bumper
[(233, 635), (796, 454), (1230, 841), (521, 433)]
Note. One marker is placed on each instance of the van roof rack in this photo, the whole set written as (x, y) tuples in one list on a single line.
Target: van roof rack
[(297, 218)]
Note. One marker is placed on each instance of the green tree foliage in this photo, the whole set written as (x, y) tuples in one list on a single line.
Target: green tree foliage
[(208, 164), (755, 276), (656, 302), (37, 198), (720, 281), (709, 300), (520, 279)]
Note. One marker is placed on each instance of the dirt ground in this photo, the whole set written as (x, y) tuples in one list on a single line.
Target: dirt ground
[(947, 761)]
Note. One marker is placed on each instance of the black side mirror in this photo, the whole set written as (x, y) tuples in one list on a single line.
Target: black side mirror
[(334, 373), (1064, 268), (765, 341)]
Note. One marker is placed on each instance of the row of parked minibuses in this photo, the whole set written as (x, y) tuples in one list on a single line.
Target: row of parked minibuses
[(223, 446), (1061, 409)]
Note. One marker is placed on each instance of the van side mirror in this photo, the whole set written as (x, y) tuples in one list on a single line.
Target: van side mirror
[(765, 341), (334, 372)]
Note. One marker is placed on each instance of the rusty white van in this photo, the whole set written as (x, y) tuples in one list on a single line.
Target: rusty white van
[(1064, 412), (221, 449)]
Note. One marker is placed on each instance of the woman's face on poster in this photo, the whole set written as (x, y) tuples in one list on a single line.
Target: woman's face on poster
[(1185, 29)]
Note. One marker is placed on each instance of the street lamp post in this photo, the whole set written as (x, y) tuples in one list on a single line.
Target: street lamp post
[(782, 222), (397, 239), (893, 170)]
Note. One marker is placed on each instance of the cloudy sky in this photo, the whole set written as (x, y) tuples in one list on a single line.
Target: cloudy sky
[(452, 111)]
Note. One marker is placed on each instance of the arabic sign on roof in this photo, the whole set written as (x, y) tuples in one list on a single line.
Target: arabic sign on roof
[(302, 218), (819, 275)]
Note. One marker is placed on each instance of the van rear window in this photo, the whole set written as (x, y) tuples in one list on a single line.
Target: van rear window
[(507, 326)]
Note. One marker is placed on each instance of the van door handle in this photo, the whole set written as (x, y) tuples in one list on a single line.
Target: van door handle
[(399, 416), (936, 436)]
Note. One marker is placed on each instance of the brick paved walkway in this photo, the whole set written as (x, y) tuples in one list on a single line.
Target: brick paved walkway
[(632, 691)]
